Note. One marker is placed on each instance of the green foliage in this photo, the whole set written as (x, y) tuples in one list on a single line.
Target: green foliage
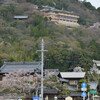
[(54, 3), (89, 6), (38, 27), (52, 82), (20, 39), (65, 90), (66, 60), (95, 48), (98, 9), (83, 81), (81, 21), (82, 44)]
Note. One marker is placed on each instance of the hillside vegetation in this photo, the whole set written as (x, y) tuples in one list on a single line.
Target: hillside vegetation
[(67, 48)]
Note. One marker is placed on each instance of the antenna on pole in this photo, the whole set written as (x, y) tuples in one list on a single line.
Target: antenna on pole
[(42, 64)]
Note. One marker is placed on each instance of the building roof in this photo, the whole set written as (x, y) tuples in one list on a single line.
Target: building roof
[(76, 94), (72, 74), (62, 96), (96, 62), (15, 66), (72, 94), (52, 9), (49, 91), (20, 17)]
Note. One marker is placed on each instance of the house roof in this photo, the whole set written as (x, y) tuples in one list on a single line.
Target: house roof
[(76, 94), (62, 96), (15, 66), (72, 94), (96, 62), (72, 74), (49, 91), (20, 17)]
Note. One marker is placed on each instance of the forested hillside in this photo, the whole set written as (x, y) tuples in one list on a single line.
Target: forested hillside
[(67, 48)]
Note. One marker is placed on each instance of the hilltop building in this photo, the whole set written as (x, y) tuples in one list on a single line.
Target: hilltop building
[(20, 17), (67, 18)]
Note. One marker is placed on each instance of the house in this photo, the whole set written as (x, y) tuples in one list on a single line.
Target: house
[(20, 17), (67, 18), (31, 67), (49, 92), (72, 78)]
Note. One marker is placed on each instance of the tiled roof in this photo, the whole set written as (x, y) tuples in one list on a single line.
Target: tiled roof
[(49, 91), (15, 66), (72, 94), (72, 74), (75, 94)]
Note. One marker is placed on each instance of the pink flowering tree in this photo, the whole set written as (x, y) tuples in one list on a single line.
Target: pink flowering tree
[(22, 84), (94, 74), (18, 83), (94, 69)]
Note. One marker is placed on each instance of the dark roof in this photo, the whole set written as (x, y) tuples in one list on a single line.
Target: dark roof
[(73, 94), (49, 91), (62, 96), (15, 66), (76, 94)]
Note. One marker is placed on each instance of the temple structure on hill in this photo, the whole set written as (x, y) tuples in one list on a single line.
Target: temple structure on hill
[(60, 16)]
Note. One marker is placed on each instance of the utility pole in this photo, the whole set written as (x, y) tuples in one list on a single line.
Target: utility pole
[(42, 64)]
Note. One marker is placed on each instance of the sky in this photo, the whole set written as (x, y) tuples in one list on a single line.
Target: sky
[(95, 3)]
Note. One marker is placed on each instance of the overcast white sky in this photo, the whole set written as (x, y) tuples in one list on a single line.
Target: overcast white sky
[(95, 3)]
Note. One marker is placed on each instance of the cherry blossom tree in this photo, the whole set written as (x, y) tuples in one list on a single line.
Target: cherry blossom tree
[(18, 83), (21, 83), (78, 69), (94, 74), (94, 69)]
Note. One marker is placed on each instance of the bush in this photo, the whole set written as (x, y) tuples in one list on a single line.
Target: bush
[(81, 21)]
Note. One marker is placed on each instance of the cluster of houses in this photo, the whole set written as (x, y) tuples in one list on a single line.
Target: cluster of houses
[(71, 78)]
